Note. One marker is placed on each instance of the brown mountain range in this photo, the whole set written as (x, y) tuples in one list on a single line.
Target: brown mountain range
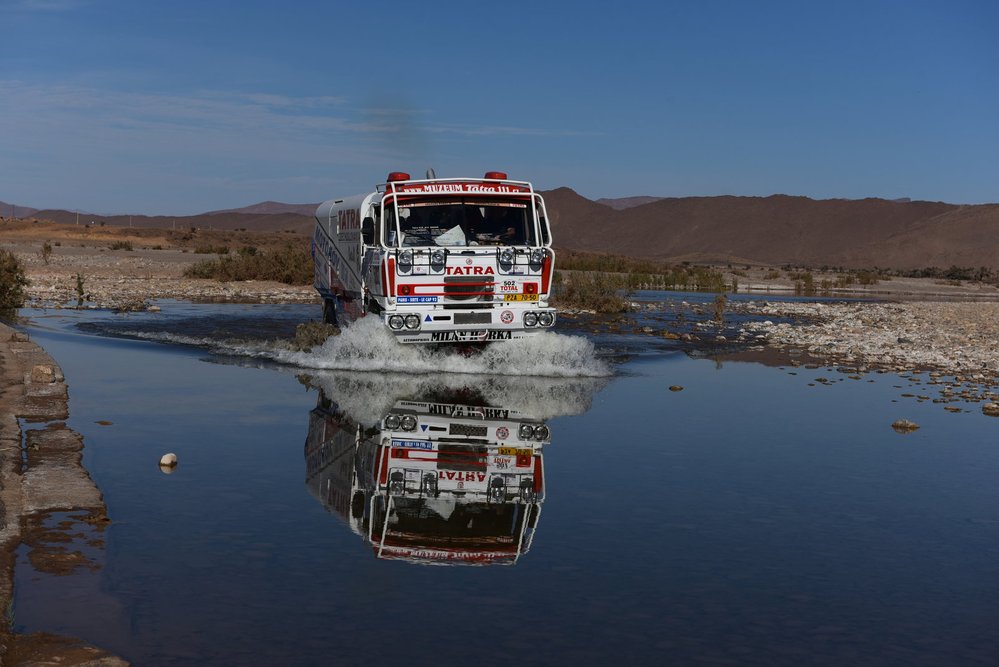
[(779, 229), (271, 207)]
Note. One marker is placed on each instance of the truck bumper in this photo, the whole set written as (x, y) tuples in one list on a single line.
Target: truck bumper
[(470, 326)]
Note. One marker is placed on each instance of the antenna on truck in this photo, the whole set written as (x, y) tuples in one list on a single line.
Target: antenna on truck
[(431, 174)]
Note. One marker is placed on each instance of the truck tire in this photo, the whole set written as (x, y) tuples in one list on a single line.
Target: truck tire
[(329, 312)]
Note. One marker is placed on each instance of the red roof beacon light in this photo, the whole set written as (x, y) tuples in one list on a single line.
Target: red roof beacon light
[(497, 175), (397, 176)]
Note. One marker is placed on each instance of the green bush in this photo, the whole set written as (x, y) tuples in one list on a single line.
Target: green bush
[(291, 265), (12, 284), (867, 277), (590, 290)]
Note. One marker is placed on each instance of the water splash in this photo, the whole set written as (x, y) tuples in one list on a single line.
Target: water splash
[(368, 346), (368, 397)]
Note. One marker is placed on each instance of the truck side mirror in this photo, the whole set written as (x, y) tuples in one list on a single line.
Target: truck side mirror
[(368, 231)]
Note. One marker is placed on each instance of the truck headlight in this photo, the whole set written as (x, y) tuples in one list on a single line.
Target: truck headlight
[(546, 319), (506, 257), (412, 321), (392, 422), (408, 423), (430, 483), (396, 322), (438, 257), (533, 432), (530, 319), (538, 256), (406, 258), (497, 490)]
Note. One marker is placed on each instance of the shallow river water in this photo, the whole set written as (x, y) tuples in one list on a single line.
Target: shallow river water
[(753, 517)]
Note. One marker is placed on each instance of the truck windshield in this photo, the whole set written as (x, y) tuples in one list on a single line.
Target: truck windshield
[(463, 223), (420, 522)]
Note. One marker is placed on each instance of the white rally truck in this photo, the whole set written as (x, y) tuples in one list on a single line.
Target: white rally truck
[(439, 260)]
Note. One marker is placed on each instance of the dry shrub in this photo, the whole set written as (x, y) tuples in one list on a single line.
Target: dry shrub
[(590, 290), (291, 265), (12, 284)]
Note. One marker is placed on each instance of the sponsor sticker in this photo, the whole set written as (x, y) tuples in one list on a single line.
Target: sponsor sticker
[(469, 336), (416, 299), (413, 444), (506, 317), (515, 451), (502, 433)]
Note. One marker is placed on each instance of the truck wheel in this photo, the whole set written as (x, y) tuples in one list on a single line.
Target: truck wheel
[(329, 312)]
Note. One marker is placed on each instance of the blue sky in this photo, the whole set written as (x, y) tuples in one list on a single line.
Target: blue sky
[(129, 106)]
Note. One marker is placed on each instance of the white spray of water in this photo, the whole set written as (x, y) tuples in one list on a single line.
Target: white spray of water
[(368, 346), (368, 397)]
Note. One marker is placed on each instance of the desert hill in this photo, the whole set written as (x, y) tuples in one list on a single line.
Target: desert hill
[(271, 207), (782, 229), (16, 210), (621, 203)]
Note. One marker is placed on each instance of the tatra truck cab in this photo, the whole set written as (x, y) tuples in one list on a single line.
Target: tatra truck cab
[(439, 260)]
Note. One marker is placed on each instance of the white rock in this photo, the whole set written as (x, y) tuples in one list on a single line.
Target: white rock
[(168, 460)]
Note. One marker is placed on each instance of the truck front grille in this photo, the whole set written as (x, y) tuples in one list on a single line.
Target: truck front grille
[(468, 287)]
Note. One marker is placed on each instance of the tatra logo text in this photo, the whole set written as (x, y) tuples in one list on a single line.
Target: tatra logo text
[(347, 219), (470, 271)]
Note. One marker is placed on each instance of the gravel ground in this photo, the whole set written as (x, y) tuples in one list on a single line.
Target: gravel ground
[(121, 279), (959, 338)]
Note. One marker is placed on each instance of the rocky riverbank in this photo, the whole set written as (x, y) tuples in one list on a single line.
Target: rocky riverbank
[(947, 353), (47, 500), (954, 338)]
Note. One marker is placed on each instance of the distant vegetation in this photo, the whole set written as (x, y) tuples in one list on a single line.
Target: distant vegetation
[(982, 274), (601, 282), (121, 245), (12, 284), (872, 276), (211, 250), (599, 292), (291, 265)]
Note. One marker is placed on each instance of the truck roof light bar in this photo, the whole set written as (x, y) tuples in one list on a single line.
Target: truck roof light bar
[(393, 185)]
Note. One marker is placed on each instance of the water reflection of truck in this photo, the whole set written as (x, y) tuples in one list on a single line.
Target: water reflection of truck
[(438, 260), (431, 482)]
